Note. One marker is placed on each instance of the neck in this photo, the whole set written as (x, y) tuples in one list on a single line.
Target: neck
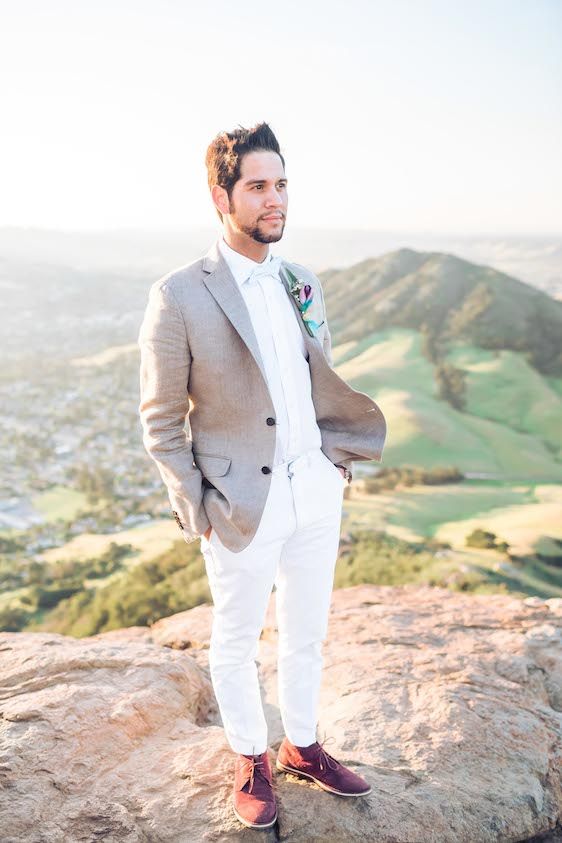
[(244, 245)]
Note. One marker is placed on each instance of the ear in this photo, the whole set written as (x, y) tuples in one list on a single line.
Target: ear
[(220, 199)]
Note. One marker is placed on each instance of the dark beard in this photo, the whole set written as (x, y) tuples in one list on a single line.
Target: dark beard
[(258, 235), (255, 232)]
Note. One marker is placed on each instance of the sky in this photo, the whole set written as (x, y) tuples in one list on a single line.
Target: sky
[(418, 115)]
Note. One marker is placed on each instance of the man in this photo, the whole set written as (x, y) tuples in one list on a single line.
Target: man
[(237, 343)]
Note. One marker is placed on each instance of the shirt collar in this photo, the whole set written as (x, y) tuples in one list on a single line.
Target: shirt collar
[(240, 265)]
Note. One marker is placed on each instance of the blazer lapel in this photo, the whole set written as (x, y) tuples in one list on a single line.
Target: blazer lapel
[(223, 287)]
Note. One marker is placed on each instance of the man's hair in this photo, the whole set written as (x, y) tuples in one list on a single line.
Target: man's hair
[(225, 153)]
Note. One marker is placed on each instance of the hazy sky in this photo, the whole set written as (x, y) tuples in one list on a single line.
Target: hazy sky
[(424, 115)]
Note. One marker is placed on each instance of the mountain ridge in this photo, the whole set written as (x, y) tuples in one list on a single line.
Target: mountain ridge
[(451, 298)]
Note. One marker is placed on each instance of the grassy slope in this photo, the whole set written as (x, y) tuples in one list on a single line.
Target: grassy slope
[(427, 431), (149, 540), (527, 528), (522, 515), (59, 502), (502, 385)]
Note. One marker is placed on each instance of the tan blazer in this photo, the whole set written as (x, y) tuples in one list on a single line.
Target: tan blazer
[(207, 416)]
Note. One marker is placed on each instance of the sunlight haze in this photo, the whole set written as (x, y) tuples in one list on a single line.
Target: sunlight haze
[(392, 116)]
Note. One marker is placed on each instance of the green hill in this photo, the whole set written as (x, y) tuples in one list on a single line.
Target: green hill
[(493, 436), (454, 299), (465, 361)]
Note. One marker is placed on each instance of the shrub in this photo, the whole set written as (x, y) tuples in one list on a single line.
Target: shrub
[(483, 538)]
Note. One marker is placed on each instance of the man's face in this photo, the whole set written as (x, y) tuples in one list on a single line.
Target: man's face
[(258, 205)]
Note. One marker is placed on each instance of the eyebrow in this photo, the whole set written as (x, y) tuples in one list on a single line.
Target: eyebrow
[(264, 181)]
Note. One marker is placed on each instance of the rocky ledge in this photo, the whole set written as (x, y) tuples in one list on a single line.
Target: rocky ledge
[(449, 704)]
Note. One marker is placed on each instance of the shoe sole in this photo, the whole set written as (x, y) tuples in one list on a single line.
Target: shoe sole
[(321, 784), (248, 824)]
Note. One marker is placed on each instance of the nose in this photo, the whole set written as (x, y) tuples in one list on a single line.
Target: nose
[(274, 199)]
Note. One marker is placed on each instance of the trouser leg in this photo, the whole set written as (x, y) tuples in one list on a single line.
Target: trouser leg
[(304, 584), (241, 584)]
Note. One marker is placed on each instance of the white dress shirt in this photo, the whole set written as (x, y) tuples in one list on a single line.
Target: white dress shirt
[(283, 352)]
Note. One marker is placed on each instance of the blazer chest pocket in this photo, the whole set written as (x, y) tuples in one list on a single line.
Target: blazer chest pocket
[(212, 465)]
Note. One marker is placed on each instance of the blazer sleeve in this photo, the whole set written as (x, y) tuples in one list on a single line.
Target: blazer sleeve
[(165, 361), (327, 348)]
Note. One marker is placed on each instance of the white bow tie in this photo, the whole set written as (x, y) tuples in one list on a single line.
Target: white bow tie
[(265, 270)]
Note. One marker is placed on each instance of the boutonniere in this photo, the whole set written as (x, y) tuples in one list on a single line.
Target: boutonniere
[(303, 294)]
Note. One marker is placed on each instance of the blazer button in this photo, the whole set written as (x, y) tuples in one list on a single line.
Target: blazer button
[(270, 421), (266, 469)]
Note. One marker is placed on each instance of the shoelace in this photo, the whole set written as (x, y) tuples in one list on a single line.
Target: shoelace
[(252, 766), (266, 269), (325, 756)]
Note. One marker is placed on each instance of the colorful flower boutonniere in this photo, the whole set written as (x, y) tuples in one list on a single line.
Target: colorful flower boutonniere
[(303, 294)]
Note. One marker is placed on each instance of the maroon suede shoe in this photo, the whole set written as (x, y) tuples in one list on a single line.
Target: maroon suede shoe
[(313, 762), (253, 796)]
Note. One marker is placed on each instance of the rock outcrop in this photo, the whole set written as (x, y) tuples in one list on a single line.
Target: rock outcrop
[(449, 704)]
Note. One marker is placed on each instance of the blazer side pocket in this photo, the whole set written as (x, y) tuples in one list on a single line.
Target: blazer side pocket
[(212, 465)]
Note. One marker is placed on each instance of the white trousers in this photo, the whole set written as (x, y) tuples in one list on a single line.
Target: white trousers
[(295, 547)]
